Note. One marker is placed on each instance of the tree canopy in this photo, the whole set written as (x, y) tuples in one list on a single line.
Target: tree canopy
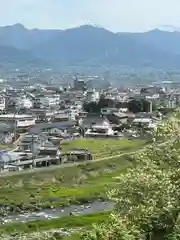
[(96, 107), (138, 105), (147, 196)]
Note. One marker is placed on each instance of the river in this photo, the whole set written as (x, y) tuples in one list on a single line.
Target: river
[(48, 214)]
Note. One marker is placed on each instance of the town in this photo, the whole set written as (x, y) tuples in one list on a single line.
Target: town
[(89, 120), (45, 125)]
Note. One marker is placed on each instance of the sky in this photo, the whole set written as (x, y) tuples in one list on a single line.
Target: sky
[(115, 15)]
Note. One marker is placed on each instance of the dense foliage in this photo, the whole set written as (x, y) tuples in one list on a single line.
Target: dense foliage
[(140, 105), (95, 107), (135, 105), (148, 196)]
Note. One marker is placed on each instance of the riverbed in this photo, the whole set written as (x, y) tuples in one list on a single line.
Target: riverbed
[(48, 214)]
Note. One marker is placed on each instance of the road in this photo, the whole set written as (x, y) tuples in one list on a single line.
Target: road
[(54, 167)]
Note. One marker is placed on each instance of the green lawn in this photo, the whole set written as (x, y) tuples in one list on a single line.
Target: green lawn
[(101, 148), (63, 222)]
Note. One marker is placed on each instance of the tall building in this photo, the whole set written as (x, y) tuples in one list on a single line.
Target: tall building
[(79, 84)]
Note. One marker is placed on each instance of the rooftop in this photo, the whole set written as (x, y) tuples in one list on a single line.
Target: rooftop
[(16, 116), (42, 126)]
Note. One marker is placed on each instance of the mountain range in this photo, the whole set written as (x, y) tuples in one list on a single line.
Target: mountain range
[(89, 46)]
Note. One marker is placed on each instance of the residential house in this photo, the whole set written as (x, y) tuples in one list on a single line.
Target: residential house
[(43, 114), (19, 120), (93, 119), (49, 150), (108, 111), (76, 155), (100, 131), (146, 120), (32, 142), (46, 100), (117, 118), (92, 96), (6, 133), (45, 127), (2, 103), (8, 161), (61, 117)]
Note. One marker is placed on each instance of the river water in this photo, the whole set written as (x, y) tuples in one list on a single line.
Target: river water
[(94, 207)]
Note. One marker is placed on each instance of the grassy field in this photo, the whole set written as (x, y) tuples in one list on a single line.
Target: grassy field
[(6, 146), (101, 148), (76, 184), (63, 186), (63, 222)]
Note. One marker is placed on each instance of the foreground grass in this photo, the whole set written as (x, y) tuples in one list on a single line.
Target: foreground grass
[(76, 184), (101, 148), (63, 222)]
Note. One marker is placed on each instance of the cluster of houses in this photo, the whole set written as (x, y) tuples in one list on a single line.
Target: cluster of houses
[(36, 119)]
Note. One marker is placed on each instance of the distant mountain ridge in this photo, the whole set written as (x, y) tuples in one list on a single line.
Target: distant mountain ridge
[(90, 46)]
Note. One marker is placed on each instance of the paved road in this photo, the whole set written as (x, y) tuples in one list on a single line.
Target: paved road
[(51, 168)]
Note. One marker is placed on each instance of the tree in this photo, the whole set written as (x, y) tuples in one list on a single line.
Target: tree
[(105, 103), (135, 106), (146, 206), (91, 107), (96, 107), (147, 197), (140, 105)]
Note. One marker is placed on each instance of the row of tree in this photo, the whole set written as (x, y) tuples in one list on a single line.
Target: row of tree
[(135, 105)]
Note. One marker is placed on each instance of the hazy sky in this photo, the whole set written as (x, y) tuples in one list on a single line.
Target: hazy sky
[(116, 15)]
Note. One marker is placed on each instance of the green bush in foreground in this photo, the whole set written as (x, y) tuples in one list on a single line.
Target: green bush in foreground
[(147, 197)]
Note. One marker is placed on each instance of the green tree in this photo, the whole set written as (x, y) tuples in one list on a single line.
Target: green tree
[(147, 197), (135, 106), (91, 107)]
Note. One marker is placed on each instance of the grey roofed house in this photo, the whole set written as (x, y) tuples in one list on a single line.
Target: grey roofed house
[(120, 115), (93, 119), (8, 158), (44, 126), (30, 139), (61, 117), (145, 115), (48, 150), (4, 127)]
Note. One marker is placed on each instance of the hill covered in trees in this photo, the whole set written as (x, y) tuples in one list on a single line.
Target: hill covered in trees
[(92, 46)]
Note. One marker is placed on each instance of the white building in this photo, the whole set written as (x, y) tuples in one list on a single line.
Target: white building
[(2, 103), (47, 101), (92, 96), (25, 103), (21, 120), (100, 131)]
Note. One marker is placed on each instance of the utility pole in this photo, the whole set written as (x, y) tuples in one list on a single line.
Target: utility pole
[(33, 152), (15, 123)]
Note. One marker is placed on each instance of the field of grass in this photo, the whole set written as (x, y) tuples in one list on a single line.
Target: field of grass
[(63, 222), (63, 186), (101, 148), (6, 146)]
